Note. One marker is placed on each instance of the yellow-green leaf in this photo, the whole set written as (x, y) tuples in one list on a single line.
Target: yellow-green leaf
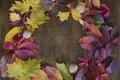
[(11, 34), (20, 6), (63, 16), (33, 3), (23, 70), (37, 18), (76, 16), (64, 71)]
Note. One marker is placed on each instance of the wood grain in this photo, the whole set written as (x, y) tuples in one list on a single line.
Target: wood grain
[(58, 41)]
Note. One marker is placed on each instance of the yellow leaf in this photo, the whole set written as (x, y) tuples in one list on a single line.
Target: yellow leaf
[(59, 76), (40, 75), (31, 29), (63, 16), (14, 17), (11, 34), (76, 16)]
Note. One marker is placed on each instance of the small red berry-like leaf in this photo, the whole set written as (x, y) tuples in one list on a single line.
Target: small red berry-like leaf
[(83, 61)]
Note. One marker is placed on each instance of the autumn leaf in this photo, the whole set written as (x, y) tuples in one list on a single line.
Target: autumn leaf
[(33, 3), (76, 16), (64, 71), (95, 30), (20, 6), (23, 70), (85, 42), (63, 16), (14, 17), (40, 75), (96, 3), (11, 34), (37, 18), (52, 73)]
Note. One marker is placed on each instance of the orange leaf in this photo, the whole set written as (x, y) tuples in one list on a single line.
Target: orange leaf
[(96, 3), (95, 31)]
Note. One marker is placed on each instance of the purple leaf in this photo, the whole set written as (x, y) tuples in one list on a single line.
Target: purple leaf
[(106, 34), (113, 65), (3, 67), (80, 75), (47, 3), (54, 11), (29, 45), (105, 11), (116, 41), (73, 4), (113, 33), (63, 8), (24, 54), (108, 47)]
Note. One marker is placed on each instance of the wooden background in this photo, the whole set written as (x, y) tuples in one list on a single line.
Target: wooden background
[(58, 41)]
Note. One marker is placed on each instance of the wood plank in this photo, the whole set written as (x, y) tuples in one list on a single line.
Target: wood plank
[(58, 41)]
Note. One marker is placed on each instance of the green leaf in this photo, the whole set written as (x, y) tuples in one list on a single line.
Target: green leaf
[(64, 71), (23, 70), (20, 6), (37, 18)]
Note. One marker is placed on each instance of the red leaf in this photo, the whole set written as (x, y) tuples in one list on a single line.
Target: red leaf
[(85, 42), (8, 46)]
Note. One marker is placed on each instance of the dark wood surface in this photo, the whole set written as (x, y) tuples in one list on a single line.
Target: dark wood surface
[(58, 41)]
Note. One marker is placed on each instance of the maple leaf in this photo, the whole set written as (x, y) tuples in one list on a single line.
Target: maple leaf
[(20, 6), (23, 70), (37, 18), (64, 71)]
